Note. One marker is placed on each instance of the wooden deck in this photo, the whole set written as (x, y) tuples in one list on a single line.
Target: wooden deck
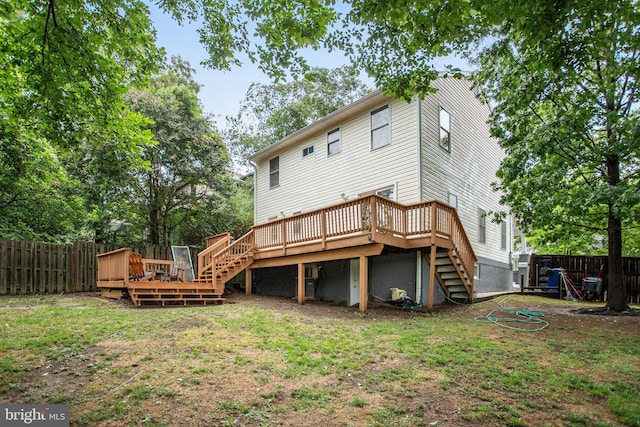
[(359, 228)]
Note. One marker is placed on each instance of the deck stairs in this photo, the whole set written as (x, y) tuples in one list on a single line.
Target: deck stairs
[(223, 260), (172, 293), (455, 281), (217, 264)]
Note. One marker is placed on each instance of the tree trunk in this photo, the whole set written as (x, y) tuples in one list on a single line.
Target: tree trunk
[(617, 293)]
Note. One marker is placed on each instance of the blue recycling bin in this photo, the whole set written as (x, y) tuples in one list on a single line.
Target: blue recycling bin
[(554, 278)]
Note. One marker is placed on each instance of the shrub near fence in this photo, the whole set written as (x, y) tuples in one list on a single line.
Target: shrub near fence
[(575, 266), (43, 268)]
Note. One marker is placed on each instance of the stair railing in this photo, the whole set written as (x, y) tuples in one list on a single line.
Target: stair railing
[(232, 253), (206, 257)]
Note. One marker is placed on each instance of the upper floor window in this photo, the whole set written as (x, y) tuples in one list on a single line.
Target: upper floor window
[(380, 132), (307, 151), (482, 226), (445, 129), (503, 235), (274, 172), (334, 144)]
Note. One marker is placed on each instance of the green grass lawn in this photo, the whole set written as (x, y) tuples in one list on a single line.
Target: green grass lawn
[(269, 361)]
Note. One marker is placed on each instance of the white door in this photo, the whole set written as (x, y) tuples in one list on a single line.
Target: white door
[(354, 281)]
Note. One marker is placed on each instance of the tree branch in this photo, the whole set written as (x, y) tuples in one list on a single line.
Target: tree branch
[(51, 15)]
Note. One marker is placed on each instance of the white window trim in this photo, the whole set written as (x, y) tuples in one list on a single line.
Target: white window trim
[(272, 172), (311, 147), (484, 224), (377, 190), (371, 129), (337, 141)]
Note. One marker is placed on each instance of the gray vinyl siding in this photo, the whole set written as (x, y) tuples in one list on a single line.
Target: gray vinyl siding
[(319, 180), (469, 168)]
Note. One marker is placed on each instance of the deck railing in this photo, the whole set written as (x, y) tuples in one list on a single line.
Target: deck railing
[(214, 245), (371, 214), (230, 254)]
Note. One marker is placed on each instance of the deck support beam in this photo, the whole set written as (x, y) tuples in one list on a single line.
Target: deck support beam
[(364, 283), (301, 283), (432, 277), (248, 281)]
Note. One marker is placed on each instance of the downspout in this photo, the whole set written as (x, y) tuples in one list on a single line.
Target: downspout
[(420, 197), (255, 190)]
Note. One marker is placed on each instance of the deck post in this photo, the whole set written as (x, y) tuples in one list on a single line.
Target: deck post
[(283, 227), (364, 283), (373, 220), (323, 228), (300, 283), (248, 281), (432, 277), (434, 223)]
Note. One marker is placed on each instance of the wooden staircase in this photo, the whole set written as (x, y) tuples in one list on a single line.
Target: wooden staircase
[(172, 293), (223, 260), (454, 279), (217, 264)]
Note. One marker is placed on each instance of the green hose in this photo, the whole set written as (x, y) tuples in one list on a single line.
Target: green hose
[(523, 317)]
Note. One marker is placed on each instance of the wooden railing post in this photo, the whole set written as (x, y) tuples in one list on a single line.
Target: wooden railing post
[(434, 222), (323, 228), (405, 227), (373, 220), (283, 226)]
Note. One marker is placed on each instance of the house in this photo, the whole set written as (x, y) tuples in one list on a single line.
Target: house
[(378, 200), (436, 149)]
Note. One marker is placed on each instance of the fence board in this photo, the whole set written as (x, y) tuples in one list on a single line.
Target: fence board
[(39, 268)]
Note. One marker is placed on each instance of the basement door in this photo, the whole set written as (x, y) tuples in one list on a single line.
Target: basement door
[(354, 281)]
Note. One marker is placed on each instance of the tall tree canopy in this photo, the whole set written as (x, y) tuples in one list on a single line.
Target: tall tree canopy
[(64, 67), (270, 112), (185, 168)]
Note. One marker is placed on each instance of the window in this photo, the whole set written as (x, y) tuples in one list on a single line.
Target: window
[(274, 172), (387, 193), (453, 201), (445, 129), (476, 271), (482, 226), (307, 151), (334, 144), (503, 235), (380, 133)]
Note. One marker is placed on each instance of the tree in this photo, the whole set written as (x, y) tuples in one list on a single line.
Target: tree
[(567, 116), (64, 67), (270, 112), (184, 169), (562, 76)]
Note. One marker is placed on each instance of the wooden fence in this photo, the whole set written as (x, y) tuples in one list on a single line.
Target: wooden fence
[(576, 266), (43, 268)]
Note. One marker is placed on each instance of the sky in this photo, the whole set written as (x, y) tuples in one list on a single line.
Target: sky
[(222, 91)]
